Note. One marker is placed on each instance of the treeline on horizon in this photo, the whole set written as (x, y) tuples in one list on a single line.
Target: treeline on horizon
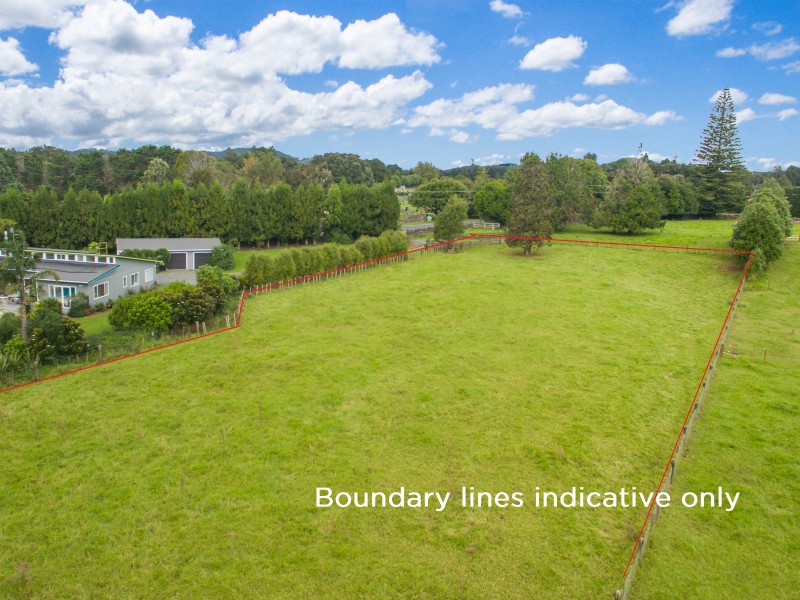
[(258, 196)]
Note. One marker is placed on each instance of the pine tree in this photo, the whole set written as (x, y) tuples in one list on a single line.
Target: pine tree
[(720, 155)]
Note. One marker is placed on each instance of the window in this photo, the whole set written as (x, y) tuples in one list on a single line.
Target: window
[(61, 257), (134, 279), (148, 275), (100, 290), (124, 281)]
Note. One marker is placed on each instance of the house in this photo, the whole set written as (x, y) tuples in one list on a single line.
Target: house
[(102, 277), (185, 253)]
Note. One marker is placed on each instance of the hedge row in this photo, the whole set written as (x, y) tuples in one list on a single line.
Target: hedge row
[(263, 269)]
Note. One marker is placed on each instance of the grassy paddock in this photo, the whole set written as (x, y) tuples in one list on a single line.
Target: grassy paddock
[(746, 440), (191, 472)]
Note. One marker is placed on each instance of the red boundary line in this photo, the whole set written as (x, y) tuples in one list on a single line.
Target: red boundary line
[(471, 236)]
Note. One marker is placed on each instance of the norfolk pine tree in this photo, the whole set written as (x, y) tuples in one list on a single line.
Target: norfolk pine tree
[(722, 168)]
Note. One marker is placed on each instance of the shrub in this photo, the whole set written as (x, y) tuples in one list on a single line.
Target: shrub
[(149, 311), (10, 325), (222, 257), (50, 305), (52, 335), (99, 307), (189, 304), (16, 345), (772, 192), (79, 306), (208, 274), (759, 227), (217, 295), (364, 246)]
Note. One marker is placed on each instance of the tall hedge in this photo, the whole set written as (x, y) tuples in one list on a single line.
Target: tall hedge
[(263, 269)]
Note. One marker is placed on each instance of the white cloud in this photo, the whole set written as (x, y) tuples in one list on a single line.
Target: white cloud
[(698, 17), (792, 68), (508, 10), (495, 108), (731, 52), (12, 61), (737, 95), (772, 98), (787, 113), (555, 54), (36, 13), (519, 40), (768, 164), (747, 114), (487, 107), (610, 74), (768, 27), (775, 50), (385, 42), (548, 119), (461, 137), (768, 51), (136, 76), (578, 98)]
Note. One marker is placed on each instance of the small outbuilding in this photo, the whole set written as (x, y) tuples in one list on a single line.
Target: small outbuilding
[(185, 253)]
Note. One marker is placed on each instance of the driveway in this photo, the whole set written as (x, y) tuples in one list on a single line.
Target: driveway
[(173, 275)]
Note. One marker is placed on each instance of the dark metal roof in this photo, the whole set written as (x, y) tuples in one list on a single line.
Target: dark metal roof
[(171, 244), (72, 272)]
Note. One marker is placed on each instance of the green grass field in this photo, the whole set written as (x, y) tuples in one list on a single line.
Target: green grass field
[(747, 440), (191, 472), (95, 323)]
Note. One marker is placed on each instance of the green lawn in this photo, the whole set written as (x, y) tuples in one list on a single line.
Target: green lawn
[(191, 472), (96, 323), (748, 440)]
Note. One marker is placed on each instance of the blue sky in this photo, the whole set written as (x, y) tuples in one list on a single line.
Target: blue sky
[(450, 82)]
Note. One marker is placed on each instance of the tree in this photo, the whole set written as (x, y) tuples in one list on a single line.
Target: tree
[(434, 194), (263, 166), (723, 171), (531, 206), (18, 269), (425, 171), (772, 192), (759, 229), (492, 201), (222, 256), (450, 221), (633, 202), (157, 171)]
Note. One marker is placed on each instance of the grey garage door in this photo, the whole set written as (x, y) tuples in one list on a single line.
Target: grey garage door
[(177, 260), (200, 258)]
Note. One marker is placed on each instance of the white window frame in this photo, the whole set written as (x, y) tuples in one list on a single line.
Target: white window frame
[(100, 285), (61, 257), (148, 275), (124, 281), (134, 279)]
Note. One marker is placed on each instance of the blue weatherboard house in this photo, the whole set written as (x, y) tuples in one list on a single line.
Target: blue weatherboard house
[(102, 277)]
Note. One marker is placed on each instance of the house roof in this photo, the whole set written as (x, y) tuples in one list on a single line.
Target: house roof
[(171, 244), (71, 272)]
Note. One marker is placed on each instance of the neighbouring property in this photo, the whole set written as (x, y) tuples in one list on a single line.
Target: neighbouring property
[(102, 277), (185, 253)]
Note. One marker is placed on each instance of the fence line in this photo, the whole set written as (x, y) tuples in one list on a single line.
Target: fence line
[(678, 450)]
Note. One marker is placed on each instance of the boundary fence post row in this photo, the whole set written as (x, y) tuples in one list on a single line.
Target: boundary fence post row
[(637, 554)]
